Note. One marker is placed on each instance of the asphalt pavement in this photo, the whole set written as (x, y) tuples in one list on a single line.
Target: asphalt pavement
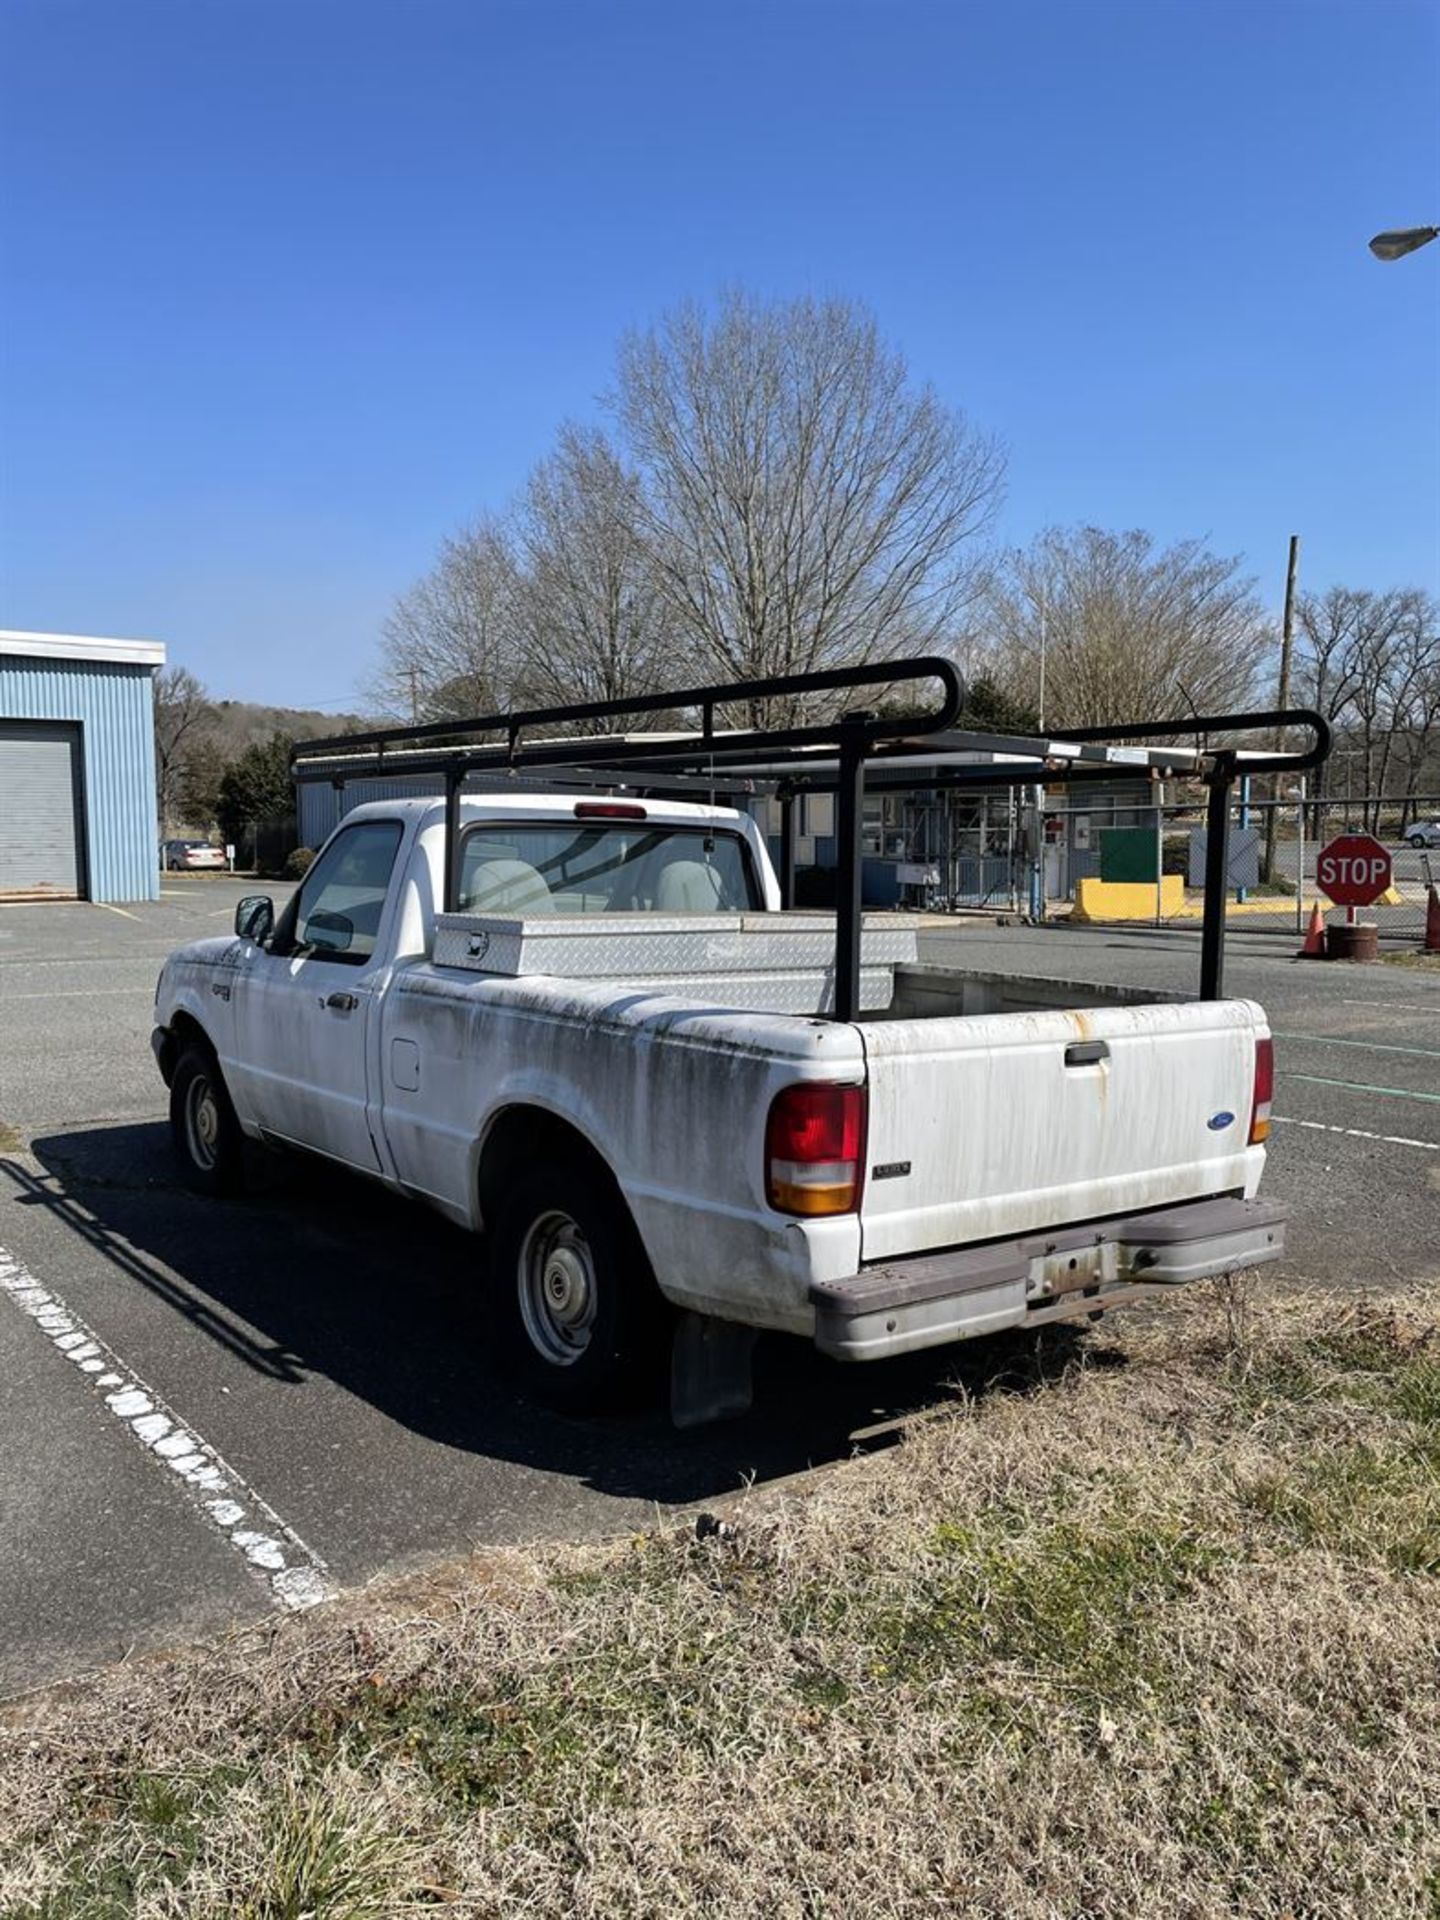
[(313, 1354)]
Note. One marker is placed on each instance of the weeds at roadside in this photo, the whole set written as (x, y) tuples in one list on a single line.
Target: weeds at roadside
[(1152, 1637)]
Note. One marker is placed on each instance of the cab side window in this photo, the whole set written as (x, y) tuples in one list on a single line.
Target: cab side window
[(343, 894)]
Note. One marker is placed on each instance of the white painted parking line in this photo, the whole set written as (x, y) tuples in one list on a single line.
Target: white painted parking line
[(293, 1574), (73, 993), (124, 957), (1366, 1046), (1356, 1133), (1358, 1086), (1397, 1006)]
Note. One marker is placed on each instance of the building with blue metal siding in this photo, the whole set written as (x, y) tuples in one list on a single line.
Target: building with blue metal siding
[(77, 767)]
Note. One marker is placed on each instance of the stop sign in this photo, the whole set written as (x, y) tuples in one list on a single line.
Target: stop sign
[(1354, 870)]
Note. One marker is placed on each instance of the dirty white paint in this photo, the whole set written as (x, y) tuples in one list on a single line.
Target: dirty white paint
[(1002, 1137), (293, 1573), (1357, 1133)]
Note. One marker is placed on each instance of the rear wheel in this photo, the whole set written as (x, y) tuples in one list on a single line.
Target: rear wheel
[(581, 1322), (206, 1135)]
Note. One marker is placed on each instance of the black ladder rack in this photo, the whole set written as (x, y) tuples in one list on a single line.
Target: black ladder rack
[(699, 753)]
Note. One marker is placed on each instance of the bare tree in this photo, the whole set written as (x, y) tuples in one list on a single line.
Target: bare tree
[(447, 646), (589, 617), (806, 503), (1417, 736), (1125, 629), (184, 729), (1371, 663)]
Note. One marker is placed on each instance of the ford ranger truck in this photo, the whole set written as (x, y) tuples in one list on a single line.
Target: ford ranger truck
[(614, 1061)]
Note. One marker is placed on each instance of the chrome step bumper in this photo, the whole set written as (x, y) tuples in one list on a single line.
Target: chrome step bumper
[(1067, 1274)]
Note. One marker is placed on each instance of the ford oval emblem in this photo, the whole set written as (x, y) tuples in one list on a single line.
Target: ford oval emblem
[(1218, 1122)]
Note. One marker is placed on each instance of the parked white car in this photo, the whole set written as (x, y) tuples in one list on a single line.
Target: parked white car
[(1424, 833), (610, 1061), (192, 856)]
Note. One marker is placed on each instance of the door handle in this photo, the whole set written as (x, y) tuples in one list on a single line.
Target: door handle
[(341, 1002), (1086, 1053)]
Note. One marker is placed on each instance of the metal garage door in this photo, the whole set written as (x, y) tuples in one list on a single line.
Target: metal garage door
[(41, 836)]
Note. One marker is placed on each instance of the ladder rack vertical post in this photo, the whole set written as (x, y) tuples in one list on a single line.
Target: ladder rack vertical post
[(452, 841), (1217, 869), (850, 812), (787, 847)]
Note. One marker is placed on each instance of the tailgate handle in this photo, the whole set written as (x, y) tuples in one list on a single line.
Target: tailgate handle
[(1086, 1053)]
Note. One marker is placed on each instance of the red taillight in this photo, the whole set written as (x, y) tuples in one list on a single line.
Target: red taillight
[(1264, 1090), (815, 1149), (609, 810)]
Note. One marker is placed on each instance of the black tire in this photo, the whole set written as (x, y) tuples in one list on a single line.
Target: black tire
[(581, 1323), (203, 1129)]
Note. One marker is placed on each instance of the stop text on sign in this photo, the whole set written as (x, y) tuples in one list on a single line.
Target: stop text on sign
[(1354, 870), (1357, 869)]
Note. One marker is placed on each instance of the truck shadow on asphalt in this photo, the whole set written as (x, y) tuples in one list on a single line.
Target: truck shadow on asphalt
[(327, 1276)]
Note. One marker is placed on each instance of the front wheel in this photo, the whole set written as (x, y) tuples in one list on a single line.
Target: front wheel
[(582, 1324), (203, 1129)]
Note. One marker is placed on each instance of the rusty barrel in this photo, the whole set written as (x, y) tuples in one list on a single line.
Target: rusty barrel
[(1360, 942)]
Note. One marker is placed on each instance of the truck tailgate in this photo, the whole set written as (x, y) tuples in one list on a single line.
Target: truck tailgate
[(1016, 1121)]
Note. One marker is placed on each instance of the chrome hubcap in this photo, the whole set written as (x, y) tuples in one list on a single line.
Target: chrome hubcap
[(202, 1123), (557, 1288)]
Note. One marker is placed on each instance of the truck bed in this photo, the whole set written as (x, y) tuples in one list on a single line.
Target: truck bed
[(753, 962), (998, 1103)]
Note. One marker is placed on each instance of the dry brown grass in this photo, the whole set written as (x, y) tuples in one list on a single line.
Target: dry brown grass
[(1157, 1636)]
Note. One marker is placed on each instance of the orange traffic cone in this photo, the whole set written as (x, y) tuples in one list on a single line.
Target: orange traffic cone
[(1314, 947), (1432, 923)]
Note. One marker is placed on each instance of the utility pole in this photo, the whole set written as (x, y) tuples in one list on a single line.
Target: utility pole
[(1287, 637), (413, 675)]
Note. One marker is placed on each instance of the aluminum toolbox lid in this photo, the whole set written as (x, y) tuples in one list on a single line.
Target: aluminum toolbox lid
[(617, 945)]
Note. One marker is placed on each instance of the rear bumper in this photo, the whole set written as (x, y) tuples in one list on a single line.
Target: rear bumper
[(1067, 1274)]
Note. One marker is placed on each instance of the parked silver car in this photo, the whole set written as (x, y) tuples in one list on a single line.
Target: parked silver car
[(193, 856)]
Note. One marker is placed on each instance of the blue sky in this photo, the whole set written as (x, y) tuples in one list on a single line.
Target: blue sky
[(291, 288)]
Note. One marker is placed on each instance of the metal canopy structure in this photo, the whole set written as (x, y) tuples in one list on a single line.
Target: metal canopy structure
[(697, 755)]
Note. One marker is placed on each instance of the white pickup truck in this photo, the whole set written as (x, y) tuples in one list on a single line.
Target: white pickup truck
[(611, 1061)]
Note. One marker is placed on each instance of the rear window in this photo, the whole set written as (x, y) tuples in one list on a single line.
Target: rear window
[(533, 869)]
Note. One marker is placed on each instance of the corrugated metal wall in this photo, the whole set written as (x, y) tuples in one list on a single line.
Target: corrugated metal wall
[(322, 808), (114, 706)]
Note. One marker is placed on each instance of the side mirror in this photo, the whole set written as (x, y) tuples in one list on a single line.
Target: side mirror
[(330, 932), (255, 918)]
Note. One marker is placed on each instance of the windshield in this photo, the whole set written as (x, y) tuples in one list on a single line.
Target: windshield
[(516, 867)]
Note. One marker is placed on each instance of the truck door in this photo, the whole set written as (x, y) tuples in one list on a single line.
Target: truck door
[(302, 1016)]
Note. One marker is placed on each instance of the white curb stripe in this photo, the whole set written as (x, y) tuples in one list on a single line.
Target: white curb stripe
[(292, 1573), (1357, 1133)]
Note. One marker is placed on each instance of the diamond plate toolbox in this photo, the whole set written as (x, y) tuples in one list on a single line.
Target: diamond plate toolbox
[(653, 947)]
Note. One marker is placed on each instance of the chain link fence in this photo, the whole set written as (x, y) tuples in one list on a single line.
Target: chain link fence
[(1274, 848), (1006, 852)]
